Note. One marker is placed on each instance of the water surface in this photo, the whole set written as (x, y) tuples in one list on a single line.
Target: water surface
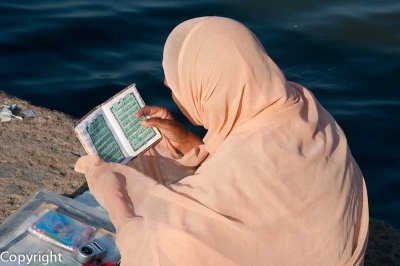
[(73, 55)]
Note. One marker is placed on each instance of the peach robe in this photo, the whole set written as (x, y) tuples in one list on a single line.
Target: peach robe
[(274, 183)]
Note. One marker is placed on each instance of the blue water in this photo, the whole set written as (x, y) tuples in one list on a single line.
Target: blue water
[(73, 55)]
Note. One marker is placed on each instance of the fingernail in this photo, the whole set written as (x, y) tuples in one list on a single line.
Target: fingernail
[(143, 123)]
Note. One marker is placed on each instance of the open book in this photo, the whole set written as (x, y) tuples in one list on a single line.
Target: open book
[(112, 130)]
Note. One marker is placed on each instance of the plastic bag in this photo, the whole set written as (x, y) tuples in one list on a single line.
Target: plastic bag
[(19, 247), (61, 230)]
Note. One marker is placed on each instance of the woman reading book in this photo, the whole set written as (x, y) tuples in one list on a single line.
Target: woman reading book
[(272, 183)]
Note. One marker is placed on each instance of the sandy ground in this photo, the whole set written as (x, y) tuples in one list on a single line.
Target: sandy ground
[(41, 152), (36, 153)]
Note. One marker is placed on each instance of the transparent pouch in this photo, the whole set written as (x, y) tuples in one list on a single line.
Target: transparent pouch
[(61, 230), (49, 228)]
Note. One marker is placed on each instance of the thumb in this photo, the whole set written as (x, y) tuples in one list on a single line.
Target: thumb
[(86, 162)]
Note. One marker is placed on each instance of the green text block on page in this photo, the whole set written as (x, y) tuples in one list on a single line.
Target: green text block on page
[(125, 113), (104, 141)]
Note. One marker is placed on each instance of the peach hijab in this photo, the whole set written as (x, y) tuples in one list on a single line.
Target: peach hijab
[(274, 183)]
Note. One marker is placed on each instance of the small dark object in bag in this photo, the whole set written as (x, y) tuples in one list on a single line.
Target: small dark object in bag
[(90, 252)]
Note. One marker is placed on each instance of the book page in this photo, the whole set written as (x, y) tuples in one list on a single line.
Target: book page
[(97, 138), (121, 112)]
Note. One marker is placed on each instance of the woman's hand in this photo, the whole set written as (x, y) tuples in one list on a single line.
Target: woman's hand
[(182, 139)]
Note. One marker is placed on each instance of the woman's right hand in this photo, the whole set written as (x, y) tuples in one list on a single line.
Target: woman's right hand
[(181, 139)]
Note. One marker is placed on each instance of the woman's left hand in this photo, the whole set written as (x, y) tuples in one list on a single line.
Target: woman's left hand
[(88, 165), (107, 186)]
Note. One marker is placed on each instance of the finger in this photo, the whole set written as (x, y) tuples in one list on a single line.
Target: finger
[(154, 111), (146, 110), (149, 111), (159, 123), (86, 162)]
